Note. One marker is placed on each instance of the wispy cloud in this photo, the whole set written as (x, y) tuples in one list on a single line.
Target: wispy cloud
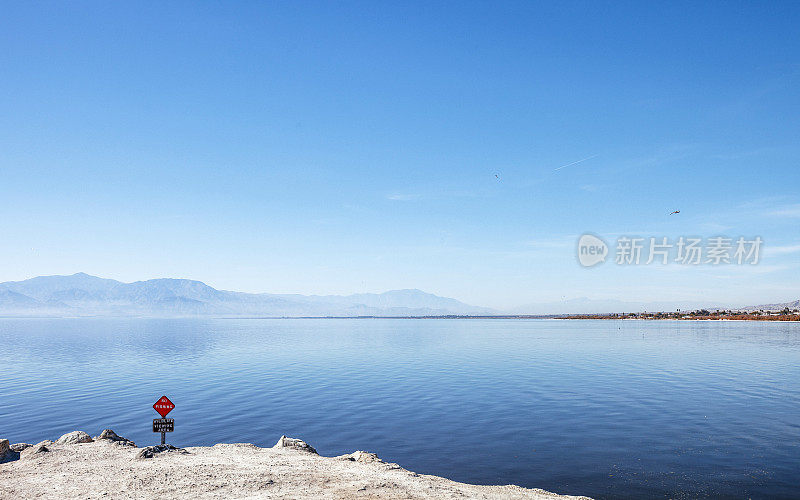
[(439, 194), (714, 227), (734, 271), (781, 250), (787, 211), (403, 197), (765, 202), (575, 162), (567, 242)]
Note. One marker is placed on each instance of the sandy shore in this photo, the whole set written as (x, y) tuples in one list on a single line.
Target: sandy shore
[(113, 469)]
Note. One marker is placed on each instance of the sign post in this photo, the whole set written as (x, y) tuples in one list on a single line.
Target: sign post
[(163, 425)]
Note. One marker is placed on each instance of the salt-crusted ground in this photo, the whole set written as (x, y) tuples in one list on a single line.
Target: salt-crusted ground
[(110, 468)]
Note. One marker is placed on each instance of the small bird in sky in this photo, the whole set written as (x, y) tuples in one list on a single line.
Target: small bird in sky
[(497, 176), (675, 212)]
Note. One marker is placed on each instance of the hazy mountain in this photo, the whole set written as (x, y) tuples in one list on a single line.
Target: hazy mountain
[(795, 304), (11, 299), (84, 295)]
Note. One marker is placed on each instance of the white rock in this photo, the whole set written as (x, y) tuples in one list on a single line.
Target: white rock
[(109, 435), (5, 447), (296, 444), (151, 451), (74, 437), (361, 456), (41, 447)]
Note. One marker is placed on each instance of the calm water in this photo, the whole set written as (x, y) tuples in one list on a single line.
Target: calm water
[(608, 409)]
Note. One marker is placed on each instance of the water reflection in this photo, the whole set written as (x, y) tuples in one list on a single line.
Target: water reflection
[(609, 409)]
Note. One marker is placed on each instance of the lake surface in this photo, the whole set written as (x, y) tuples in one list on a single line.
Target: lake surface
[(610, 409)]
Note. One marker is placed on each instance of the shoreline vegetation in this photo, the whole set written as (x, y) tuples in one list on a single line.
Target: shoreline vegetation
[(702, 315), (696, 315), (110, 466)]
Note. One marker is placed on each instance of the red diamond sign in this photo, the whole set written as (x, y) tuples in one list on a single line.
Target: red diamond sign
[(163, 406)]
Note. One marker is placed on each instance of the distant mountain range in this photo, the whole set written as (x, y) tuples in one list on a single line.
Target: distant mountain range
[(795, 304), (84, 295)]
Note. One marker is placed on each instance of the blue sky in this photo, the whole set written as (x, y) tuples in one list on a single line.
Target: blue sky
[(345, 147)]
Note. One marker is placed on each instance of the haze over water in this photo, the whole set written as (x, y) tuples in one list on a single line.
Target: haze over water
[(620, 409)]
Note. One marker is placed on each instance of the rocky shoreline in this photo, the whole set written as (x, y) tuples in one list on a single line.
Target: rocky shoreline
[(109, 466)]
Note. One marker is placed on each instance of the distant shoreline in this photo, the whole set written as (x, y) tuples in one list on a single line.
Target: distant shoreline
[(611, 316), (672, 317)]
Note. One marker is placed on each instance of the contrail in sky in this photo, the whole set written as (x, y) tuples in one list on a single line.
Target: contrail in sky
[(574, 162)]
